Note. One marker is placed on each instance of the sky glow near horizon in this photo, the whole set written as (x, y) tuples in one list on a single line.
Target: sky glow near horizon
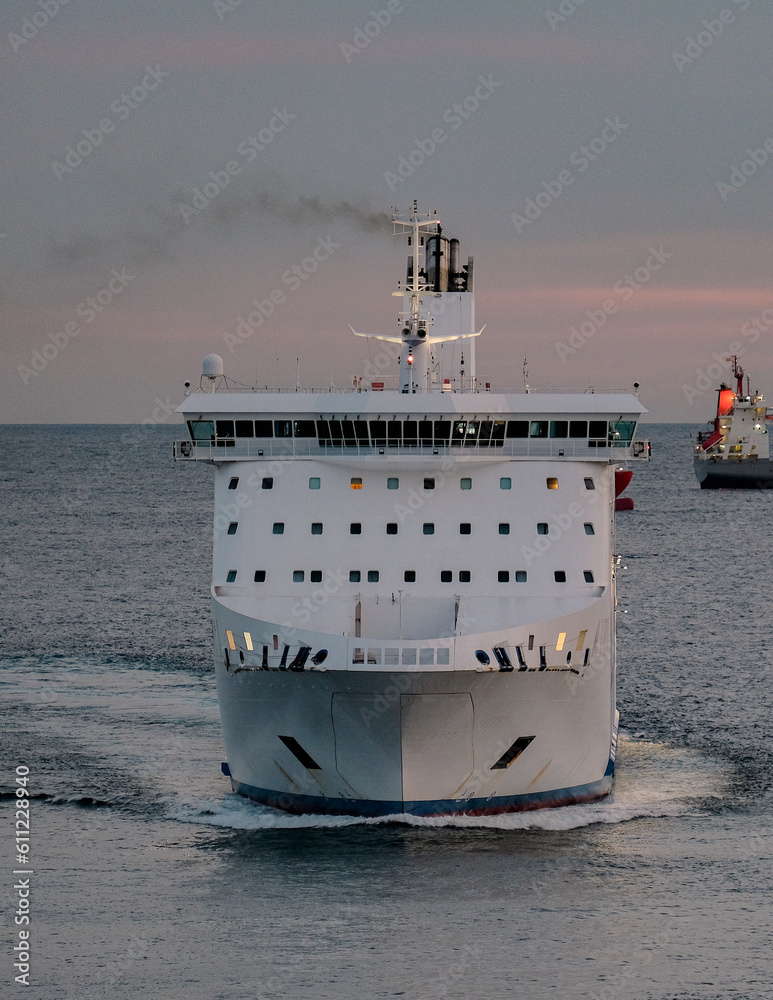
[(166, 167)]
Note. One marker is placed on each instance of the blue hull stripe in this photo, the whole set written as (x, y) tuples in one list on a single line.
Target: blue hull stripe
[(438, 807)]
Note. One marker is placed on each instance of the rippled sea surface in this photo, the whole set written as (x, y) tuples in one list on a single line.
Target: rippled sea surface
[(151, 878)]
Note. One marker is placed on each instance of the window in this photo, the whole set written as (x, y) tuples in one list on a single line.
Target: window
[(314, 483), (355, 528), (538, 428), (466, 483), (372, 576), (316, 528), (356, 483), (589, 484), (304, 429), (589, 528), (232, 527), (225, 428), (231, 576), (504, 528), (446, 576), (578, 428), (503, 576), (268, 483), (354, 576), (552, 483), (283, 428), (542, 528), (464, 576), (443, 656), (410, 576), (559, 428), (505, 483), (393, 483), (517, 428), (245, 429), (263, 429), (520, 577), (429, 484), (298, 575), (260, 576), (588, 574), (409, 656), (621, 431), (428, 529), (201, 430), (391, 528), (316, 576), (279, 527), (465, 529), (233, 483), (597, 429), (560, 576)]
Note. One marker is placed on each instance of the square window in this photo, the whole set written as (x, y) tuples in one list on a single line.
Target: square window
[(233, 483), (427, 656), (393, 483), (232, 527), (589, 528), (538, 428), (589, 484), (355, 528), (597, 429), (505, 483), (391, 528), (588, 574), (578, 428), (542, 528), (279, 527), (298, 575), (552, 483), (464, 576), (314, 483), (245, 429), (316, 528), (231, 576), (466, 483), (465, 528), (354, 576), (372, 576), (410, 576), (520, 577), (446, 576), (503, 576), (268, 483), (356, 483), (429, 484), (409, 657), (316, 576), (560, 576), (504, 528), (559, 428), (443, 656), (391, 656), (260, 576), (428, 528), (264, 429)]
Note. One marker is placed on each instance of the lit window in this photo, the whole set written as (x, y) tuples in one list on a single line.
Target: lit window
[(355, 528), (552, 483), (504, 528), (560, 642), (230, 635), (314, 483), (520, 577), (248, 637), (446, 576), (279, 527), (393, 483), (372, 576), (429, 484), (542, 528), (268, 483), (503, 576), (464, 576), (316, 576), (260, 576), (589, 528), (316, 528), (391, 528), (466, 483), (560, 576), (233, 483), (428, 529), (410, 576), (231, 576), (354, 576), (588, 574), (356, 484), (298, 576), (505, 483), (465, 529), (232, 527), (589, 484)]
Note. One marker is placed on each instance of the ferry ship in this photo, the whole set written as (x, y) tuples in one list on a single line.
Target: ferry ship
[(735, 453), (413, 582)]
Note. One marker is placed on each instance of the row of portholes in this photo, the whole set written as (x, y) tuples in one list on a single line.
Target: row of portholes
[(409, 576), (392, 528), (393, 483)]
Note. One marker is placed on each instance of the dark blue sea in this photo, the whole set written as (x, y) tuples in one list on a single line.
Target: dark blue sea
[(150, 878)]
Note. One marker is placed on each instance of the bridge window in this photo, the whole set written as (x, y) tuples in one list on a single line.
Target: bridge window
[(264, 429), (538, 428), (559, 428), (578, 428), (245, 428)]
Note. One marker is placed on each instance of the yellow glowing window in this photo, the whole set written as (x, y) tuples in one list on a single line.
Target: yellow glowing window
[(581, 640), (356, 484), (248, 640), (231, 642), (560, 643), (552, 483)]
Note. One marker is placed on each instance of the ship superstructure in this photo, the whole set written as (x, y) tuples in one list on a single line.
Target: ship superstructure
[(414, 587)]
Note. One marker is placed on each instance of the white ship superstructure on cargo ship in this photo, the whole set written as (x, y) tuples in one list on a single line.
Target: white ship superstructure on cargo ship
[(414, 588)]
